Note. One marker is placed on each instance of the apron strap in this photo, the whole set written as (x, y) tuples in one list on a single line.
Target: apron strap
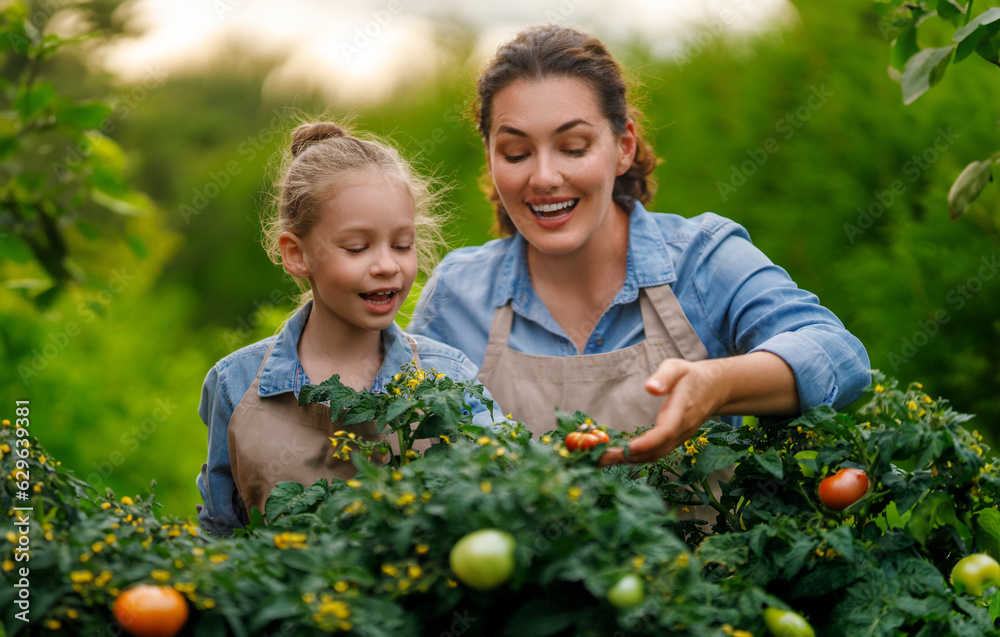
[(670, 316), (503, 318)]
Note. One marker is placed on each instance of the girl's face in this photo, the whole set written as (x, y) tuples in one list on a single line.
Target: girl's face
[(554, 159), (360, 257)]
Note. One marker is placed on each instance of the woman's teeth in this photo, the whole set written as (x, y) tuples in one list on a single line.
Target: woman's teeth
[(553, 210)]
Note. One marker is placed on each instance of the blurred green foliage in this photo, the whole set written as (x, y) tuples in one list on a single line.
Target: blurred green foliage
[(799, 134)]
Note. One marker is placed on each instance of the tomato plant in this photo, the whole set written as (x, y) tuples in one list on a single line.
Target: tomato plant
[(483, 559), (843, 488), (373, 555), (146, 610), (805, 467), (975, 573), (785, 623), (627, 591)]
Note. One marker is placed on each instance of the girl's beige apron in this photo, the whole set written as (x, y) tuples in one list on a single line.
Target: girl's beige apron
[(609, 387), (273, 440)]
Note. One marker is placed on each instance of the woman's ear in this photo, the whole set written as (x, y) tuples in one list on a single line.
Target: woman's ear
[(293, 256), (627, 142)]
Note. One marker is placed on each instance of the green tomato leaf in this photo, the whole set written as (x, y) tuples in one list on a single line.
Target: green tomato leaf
[(968, 186), (713, 458), (770, 461), (289, 498), (987, 531), (924, 70), (994, 605), (968, 37)]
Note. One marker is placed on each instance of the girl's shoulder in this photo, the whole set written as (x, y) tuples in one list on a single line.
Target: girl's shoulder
[(236, 371), (445, 359)]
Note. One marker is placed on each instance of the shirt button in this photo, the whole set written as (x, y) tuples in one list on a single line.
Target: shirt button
[(599, 342)]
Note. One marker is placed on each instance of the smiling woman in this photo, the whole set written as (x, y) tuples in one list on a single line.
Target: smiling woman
[(594, 303)]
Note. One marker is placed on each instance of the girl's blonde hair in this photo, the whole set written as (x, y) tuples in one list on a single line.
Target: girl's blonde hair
[(322, 158)]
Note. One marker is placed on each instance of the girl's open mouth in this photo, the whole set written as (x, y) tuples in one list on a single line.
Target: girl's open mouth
[(380, 299)]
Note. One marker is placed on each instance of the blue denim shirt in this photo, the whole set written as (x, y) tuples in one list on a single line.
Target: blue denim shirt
[(230, 378), (734, 297)]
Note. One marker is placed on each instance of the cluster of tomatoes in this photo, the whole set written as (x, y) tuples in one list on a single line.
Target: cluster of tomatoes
[(586, 437)]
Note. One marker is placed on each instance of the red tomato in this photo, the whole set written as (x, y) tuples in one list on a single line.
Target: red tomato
[(602, 436), (581, 440), (148, 610), (843, 488)]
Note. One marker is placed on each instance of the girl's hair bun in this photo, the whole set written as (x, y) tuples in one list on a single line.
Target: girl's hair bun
[(306, 135)]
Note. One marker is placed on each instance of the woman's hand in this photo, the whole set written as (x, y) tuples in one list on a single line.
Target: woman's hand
[(757, 383)]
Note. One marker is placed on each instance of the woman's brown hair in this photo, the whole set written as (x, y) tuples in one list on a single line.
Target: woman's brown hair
[(557, 51)]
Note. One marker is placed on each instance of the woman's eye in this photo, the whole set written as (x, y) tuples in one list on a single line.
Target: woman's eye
[(515, 158), (355, 250), (404, 248), (576, 152)]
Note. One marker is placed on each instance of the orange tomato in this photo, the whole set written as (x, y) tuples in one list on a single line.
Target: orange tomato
[(147, 610)]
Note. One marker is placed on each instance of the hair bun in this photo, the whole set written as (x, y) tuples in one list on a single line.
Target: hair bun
[(306, 135)]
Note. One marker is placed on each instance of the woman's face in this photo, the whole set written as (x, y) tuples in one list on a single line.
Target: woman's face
[(554, 159)]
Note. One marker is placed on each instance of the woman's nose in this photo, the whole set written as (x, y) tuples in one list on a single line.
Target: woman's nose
[(546, 174)]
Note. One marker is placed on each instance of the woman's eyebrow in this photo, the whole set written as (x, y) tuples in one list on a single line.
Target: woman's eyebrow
[(510, 130)]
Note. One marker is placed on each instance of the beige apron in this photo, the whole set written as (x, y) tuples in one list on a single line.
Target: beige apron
[(273, 440), (608, 387)]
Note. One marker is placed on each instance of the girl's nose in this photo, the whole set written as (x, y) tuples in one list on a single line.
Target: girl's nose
[(385, 263)]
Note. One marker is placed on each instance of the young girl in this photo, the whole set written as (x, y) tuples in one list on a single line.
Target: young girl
[(349, 213)]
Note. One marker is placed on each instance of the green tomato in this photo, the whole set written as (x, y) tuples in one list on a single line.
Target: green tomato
[(483, 559), (785, 623), (975, 573), (627, 592), (807, 454)]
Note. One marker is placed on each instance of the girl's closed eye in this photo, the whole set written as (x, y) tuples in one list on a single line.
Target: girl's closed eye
[(355, 249)]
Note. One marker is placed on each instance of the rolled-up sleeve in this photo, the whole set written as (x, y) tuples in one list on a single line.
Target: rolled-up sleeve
[(215, 481), (754, 305)]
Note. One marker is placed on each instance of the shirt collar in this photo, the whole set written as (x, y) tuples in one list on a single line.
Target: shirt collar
[(283, 370), (648, 264)]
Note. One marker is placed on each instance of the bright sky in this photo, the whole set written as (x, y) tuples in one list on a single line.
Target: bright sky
[(355, 50)]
